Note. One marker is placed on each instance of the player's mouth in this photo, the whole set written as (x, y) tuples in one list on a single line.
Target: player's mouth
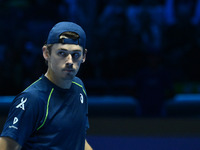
[(68, 70)]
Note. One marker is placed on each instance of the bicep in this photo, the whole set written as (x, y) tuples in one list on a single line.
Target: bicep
[(7, 143)]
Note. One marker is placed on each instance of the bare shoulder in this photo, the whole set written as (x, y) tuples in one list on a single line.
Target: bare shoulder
[(7, 143)]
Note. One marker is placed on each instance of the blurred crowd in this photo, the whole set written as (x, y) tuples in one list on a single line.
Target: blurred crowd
[(134, 47)]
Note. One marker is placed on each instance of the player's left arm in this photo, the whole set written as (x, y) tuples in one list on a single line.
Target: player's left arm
[(87, 146)]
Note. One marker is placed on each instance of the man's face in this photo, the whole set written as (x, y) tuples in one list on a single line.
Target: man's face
[(64, 60)]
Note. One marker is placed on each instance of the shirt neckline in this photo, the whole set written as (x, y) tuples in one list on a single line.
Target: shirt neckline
[(54, 85)]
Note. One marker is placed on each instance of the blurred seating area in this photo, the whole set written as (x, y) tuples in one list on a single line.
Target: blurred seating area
[(180, 106), (147, 50)]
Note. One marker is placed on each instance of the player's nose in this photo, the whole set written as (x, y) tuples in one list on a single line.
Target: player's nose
[(69, 60)]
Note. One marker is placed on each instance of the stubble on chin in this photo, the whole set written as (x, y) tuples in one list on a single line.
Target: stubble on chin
[(69, 76)]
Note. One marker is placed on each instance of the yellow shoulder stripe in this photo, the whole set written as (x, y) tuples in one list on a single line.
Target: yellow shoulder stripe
[(33, 83), (80, 86)]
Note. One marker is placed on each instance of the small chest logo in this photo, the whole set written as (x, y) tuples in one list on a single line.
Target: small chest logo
[(21, 105), (81, 98)]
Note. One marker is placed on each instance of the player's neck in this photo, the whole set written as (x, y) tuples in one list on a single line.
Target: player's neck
[(64, 84)]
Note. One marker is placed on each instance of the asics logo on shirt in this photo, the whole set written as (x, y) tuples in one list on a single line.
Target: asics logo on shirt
[(15, 120), (81, 98), (21, 105)]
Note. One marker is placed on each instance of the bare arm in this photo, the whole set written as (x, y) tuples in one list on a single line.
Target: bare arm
[(7, 143), (87, 146)]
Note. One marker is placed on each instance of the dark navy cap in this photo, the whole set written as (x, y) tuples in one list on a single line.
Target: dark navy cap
[(61, 27)]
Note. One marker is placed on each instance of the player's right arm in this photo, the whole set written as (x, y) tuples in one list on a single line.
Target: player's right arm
[(7, 143), (24, 117)]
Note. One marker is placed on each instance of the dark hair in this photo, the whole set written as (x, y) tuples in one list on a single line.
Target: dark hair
[(49, 47), (70, 35)]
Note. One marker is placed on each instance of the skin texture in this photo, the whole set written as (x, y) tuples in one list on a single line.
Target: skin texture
[(7, 143), (63, 63)]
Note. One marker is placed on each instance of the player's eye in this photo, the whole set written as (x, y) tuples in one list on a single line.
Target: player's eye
[(76, 55), (62, 54)]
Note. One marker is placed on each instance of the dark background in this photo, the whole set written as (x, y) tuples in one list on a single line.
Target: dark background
[(124, 37), (140, 49)]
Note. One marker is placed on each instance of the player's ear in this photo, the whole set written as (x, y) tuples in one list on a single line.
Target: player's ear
[(84, 55), (45, 52)]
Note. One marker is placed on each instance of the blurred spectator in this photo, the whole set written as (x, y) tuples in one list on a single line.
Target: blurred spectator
[(82, 12), (179, 37), (196, 17), (30, 57), (150, 31), (169, 14), (153, 86), (112, 29), (119, 32)]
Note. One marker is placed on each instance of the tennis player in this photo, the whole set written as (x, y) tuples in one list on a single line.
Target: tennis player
[(52, 113)]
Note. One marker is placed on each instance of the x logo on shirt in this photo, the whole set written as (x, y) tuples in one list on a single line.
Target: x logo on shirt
[(21, 105)]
